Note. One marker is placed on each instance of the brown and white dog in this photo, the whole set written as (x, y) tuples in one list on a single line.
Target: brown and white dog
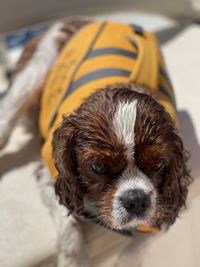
[(118, 155)]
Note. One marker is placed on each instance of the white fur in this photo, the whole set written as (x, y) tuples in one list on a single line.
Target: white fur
[(27, 83), (124, 124), (132, 179)]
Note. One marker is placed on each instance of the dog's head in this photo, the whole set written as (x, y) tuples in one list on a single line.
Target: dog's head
[(119, 152)]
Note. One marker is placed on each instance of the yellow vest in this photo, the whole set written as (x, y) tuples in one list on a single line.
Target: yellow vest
[(99, 54)]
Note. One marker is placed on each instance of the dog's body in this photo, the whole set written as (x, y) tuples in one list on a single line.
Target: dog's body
[(130, 56), (118, 153)]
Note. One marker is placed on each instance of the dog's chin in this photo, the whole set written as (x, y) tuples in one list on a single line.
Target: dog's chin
[(131, 222), (126, 222)]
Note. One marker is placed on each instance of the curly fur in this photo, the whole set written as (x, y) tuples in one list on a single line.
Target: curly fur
[(67, 186), (89, 131)]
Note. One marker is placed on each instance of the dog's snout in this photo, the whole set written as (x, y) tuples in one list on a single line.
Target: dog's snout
[(135, 201)]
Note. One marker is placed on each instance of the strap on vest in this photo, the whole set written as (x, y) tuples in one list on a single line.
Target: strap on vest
[(147, 56)]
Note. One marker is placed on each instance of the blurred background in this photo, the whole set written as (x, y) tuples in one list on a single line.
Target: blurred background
[(27, 231)]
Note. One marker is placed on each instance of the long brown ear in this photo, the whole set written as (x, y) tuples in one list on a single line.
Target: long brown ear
[(67, 186), (177, 181)]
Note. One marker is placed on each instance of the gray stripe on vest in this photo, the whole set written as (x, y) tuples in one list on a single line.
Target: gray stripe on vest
[(110, 51), (92, 76), (102, 73)]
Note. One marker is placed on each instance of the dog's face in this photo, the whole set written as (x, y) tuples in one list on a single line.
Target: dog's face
[(119, 153)]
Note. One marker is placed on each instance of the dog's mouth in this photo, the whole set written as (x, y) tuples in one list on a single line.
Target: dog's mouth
[(123, 220), (126, 226), (127, 221)]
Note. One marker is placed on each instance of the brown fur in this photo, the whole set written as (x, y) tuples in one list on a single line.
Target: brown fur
[(27, 54)]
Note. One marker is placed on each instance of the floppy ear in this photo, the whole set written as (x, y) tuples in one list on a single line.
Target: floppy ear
[(67, 186), (177, 180)]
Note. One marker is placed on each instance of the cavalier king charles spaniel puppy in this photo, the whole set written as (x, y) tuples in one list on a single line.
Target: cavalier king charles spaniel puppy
[(108, 121)]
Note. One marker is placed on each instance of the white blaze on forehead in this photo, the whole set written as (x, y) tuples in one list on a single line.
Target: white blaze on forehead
[(124, 122), (131, 178)]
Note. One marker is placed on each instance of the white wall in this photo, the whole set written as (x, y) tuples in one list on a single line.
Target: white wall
[(19, 13)]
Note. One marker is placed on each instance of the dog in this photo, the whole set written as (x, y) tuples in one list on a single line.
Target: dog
[(108, 120)]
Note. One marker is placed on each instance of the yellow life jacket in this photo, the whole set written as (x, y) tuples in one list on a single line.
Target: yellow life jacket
[(99, 54)]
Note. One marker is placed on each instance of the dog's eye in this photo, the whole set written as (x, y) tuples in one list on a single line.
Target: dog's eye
[(99, 168), (159, 167)]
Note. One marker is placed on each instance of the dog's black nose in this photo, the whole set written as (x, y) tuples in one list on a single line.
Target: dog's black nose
[(135, 201)]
